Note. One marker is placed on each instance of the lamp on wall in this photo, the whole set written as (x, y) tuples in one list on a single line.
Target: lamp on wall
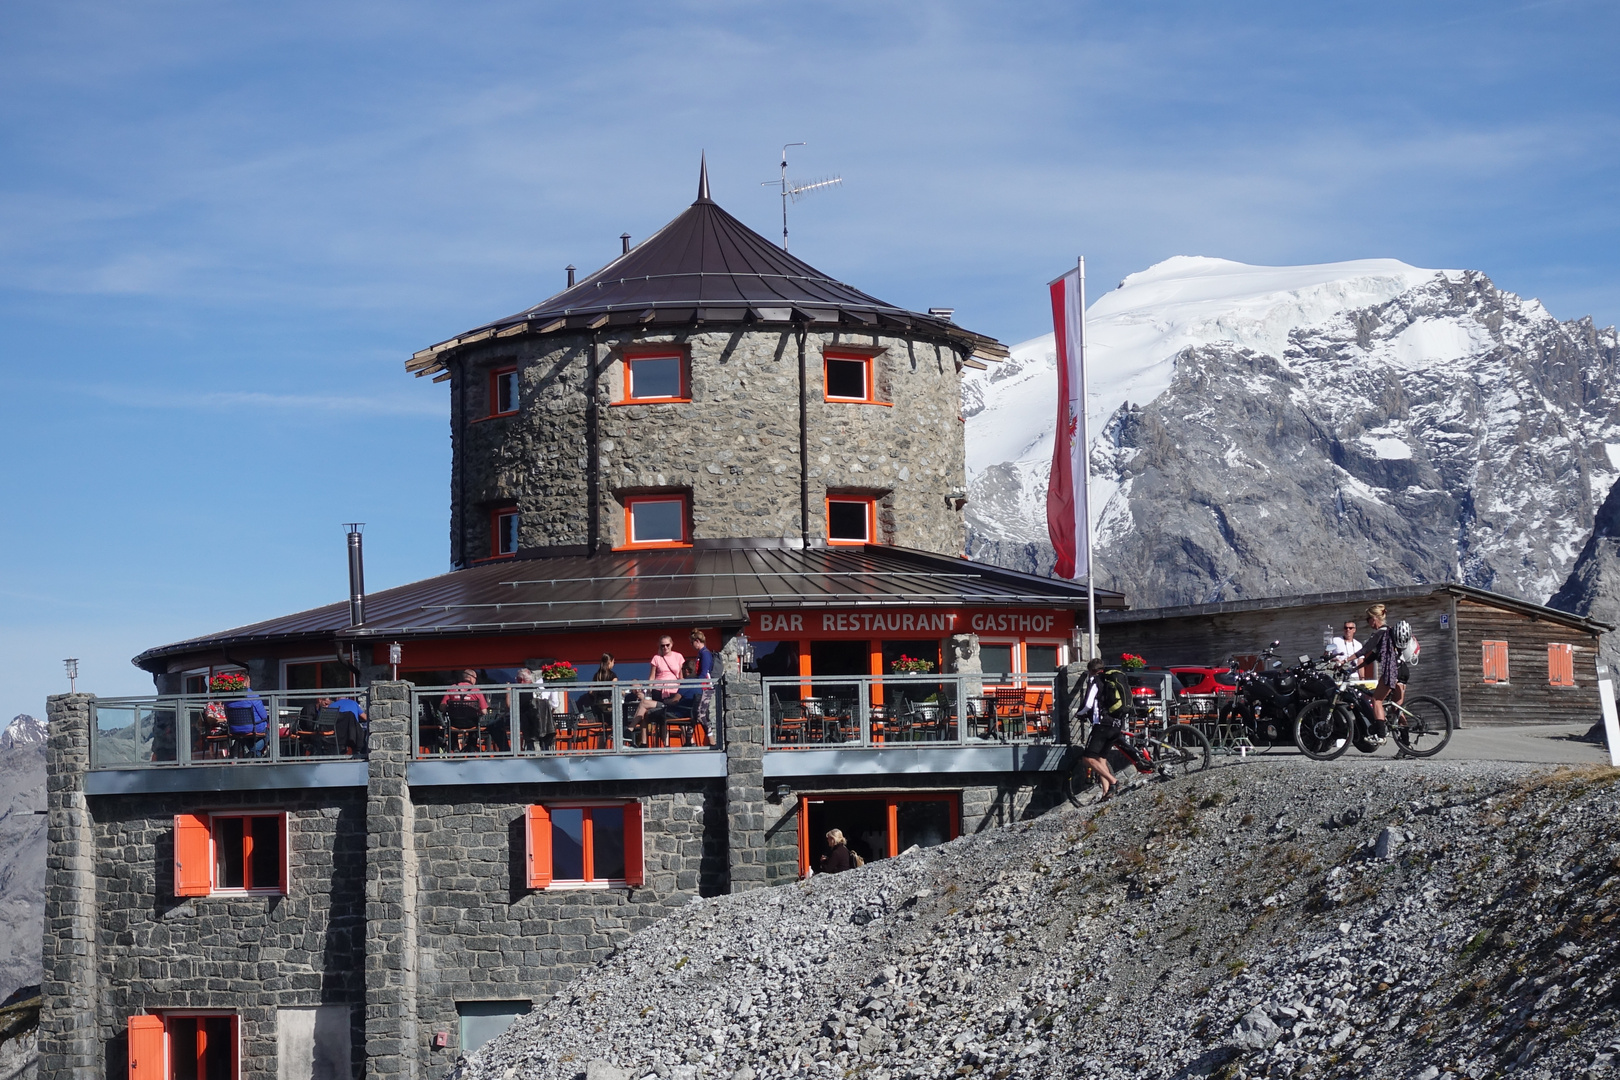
[(782, 793), (72, 665)]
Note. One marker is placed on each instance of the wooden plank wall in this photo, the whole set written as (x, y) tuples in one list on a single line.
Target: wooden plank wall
[(1208, 640), (1528, 697)]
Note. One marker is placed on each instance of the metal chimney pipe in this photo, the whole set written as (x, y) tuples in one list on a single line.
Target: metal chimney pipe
[(570, 275), (357, 575), (624, 241)]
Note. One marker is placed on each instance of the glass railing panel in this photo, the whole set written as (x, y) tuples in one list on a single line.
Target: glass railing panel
[(967, 709), (566, 718)]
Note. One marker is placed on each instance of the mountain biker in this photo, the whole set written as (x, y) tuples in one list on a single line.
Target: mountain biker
[(1381, 647), (1106, 701)]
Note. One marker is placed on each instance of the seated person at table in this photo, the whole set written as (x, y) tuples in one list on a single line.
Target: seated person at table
[(666, 681), (535, 721), (352, 729), (248, 719), (464, 708)]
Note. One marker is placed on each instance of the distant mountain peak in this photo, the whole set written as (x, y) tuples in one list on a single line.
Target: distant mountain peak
[(1259, 431), (23, 730)]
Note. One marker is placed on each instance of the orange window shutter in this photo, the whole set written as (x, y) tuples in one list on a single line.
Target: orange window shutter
[(145, 1047), (537, 855), (634, 871), (193, 874)]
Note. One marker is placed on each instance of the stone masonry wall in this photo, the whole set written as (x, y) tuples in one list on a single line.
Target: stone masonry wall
[(734, 446), (68, 1048), (247, 954), (482, 934), (392, 1043)]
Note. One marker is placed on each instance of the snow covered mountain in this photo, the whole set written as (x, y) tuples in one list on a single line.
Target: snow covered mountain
[(1270, 430)]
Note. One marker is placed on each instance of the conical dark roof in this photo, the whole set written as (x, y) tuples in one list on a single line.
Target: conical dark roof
[(708, 267)]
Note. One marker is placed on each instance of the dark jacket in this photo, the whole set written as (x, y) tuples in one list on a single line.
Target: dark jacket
[(836, 861)]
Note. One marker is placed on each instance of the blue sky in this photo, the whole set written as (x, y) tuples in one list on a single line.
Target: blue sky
[(224, 226)]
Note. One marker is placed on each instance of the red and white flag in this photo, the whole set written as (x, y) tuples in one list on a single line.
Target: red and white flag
[(1067, 514)]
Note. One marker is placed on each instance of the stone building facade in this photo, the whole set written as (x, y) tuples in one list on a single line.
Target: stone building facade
[(753, 464), (417, 903), (405, 907)]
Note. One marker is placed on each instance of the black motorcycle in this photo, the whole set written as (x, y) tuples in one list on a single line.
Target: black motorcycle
[(1269, 697)]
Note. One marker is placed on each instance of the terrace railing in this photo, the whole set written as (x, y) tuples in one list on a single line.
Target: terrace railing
[(225, 729), (823, 712), (566, 719)]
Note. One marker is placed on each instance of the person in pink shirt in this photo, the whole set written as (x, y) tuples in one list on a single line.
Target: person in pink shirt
[(666, 679)]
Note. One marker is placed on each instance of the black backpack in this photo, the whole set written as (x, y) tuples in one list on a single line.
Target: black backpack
[(1113, 694)]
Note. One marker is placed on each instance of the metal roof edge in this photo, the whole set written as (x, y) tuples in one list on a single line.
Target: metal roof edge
[(1356, 596)]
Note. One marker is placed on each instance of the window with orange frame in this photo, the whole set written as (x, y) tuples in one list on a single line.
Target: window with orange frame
[(184, 1046), (230, 852), (851, 519), (849, 377), (503, 532), (651, 377), (657, 521), (584, 845), (503, 391)]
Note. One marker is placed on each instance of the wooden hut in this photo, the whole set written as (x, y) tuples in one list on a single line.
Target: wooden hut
[(1491, 658)]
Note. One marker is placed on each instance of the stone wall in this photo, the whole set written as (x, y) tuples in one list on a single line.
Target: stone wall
[(734, 446), (247, 954), (68, 1048), (482, 934)]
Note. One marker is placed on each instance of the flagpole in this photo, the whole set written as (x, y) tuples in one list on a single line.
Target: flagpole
[(1085, 475)]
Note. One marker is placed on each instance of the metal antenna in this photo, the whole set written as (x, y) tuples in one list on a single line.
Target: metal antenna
[(795, 191)]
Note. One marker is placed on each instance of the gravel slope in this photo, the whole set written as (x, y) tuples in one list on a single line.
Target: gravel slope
[(1275, 918)]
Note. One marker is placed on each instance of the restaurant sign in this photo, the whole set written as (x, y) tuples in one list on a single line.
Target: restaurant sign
[(930, 622)]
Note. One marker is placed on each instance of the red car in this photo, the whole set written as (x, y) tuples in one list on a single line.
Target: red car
[(1205, 680)]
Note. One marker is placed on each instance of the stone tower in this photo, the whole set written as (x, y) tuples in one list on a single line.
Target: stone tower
[(706, 386)]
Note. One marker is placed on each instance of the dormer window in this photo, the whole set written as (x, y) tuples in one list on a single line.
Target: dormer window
[(503, 392), (656, 521), (656, 376), (851, 519)]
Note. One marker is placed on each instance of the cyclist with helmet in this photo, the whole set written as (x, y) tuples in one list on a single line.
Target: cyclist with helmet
[(1106, 702)]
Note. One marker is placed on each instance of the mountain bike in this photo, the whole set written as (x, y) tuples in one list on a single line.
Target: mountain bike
[(1420, 726)]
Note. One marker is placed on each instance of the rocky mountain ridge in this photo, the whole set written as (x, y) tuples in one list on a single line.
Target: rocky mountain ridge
[(1276, 918), (22, 852), (1310, 432)]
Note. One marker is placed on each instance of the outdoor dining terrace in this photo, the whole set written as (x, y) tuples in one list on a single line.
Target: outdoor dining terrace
[(569, 719), (858, 712), (227, 729)]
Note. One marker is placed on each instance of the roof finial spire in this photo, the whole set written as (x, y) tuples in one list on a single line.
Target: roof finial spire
[(703, 178)]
